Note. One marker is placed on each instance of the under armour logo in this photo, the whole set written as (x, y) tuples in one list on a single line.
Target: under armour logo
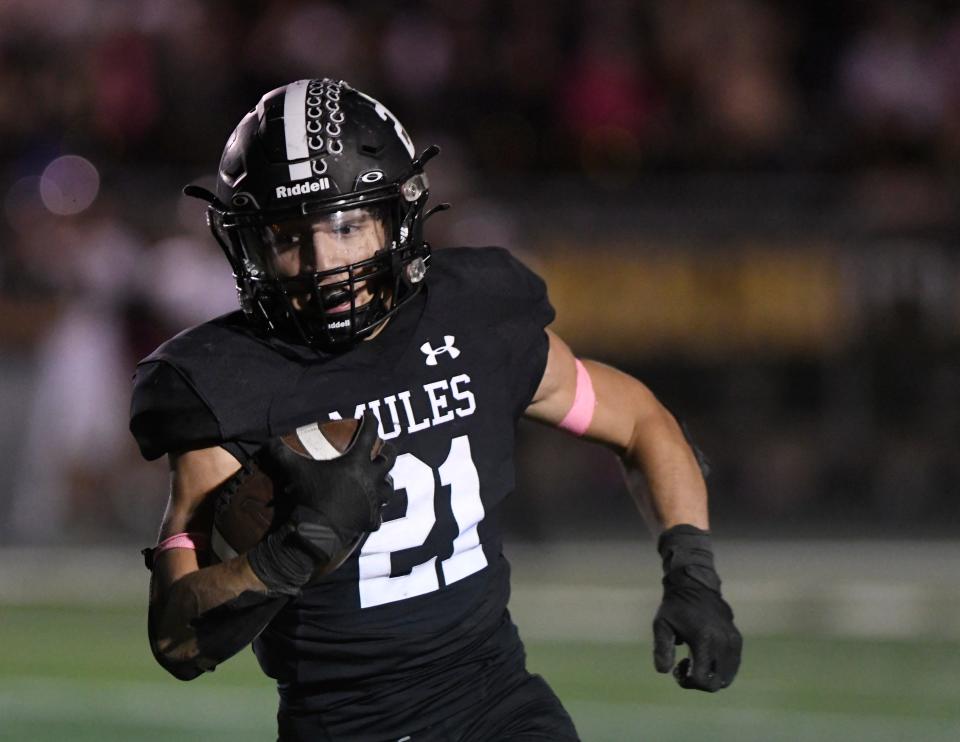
[(447, 348)]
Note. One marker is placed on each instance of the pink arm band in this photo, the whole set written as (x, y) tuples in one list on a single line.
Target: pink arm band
[(578, 418), (183, 541)]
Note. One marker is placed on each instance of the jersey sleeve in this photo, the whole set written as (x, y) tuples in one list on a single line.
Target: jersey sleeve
[(515, 299), (167, 415), (529, 343)]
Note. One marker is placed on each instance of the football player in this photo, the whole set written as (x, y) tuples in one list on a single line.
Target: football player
[(319, 207)]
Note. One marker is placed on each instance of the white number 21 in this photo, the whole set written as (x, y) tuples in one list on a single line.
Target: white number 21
[(411, 474)]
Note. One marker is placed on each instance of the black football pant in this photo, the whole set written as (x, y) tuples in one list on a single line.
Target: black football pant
[(526, 710)]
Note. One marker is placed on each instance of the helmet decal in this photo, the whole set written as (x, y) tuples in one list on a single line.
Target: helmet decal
[(370, 177), (299, 189), (313, 125), (385, 114)]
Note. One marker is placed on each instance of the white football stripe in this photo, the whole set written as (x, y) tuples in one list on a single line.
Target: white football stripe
[(316, 442), (295, 129)]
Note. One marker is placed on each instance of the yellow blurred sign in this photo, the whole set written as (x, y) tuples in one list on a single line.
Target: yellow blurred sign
[(766, 300)]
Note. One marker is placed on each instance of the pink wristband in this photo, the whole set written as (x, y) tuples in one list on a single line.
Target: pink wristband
[(578, 418), (182, 541)]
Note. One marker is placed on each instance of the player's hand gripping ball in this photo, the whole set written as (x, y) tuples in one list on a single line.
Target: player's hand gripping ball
[(318, 491)]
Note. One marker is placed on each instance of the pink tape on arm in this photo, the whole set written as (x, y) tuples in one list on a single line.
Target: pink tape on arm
[(578, 418), (193, 541)]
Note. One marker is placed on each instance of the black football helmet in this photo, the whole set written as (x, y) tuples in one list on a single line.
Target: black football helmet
[(310, 153)]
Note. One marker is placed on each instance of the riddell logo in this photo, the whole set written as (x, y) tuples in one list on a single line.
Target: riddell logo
[(301, 189)]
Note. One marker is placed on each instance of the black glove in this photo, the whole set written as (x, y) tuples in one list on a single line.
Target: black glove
[(335, 503), (693, 612)]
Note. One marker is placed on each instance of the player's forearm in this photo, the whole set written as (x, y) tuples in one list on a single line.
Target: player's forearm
[(207, 615), (662, 472), (610, 407)]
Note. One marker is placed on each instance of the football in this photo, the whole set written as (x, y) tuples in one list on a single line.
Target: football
[(247, 506)]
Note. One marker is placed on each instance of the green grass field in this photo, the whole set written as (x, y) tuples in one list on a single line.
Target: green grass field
[(84, 673)]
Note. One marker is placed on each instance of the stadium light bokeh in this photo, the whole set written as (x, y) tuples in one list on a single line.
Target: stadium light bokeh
[(69, 185)]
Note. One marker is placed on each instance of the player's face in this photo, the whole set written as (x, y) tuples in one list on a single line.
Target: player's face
[(325, 243)]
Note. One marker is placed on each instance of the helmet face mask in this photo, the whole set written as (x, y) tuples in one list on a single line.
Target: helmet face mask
[(319, 209)]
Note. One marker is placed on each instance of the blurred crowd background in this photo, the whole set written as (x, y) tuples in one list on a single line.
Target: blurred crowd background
[(753, 206)]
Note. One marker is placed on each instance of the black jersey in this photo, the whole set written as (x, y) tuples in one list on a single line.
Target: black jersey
[(412, 625)]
